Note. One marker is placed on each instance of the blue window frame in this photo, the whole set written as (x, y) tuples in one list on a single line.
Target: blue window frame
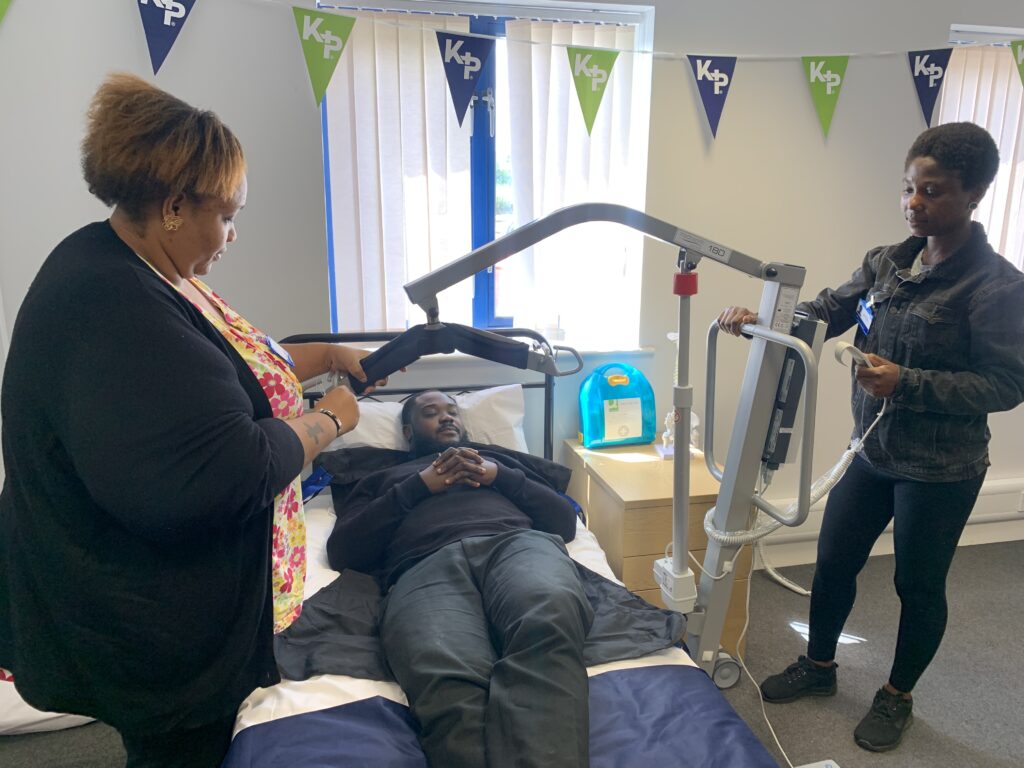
[(483, 177)]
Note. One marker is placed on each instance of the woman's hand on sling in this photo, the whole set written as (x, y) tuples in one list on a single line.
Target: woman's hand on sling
[(348, 360)]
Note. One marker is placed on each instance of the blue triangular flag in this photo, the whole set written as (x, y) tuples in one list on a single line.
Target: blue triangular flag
[(162, 20), (928, 69), (463, 57), (713, 75)]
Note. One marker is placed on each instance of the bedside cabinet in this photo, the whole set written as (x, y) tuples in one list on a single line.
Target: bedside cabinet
[(626, 493)]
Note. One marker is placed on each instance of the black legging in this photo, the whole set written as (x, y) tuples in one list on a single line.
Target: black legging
[(928, 519)]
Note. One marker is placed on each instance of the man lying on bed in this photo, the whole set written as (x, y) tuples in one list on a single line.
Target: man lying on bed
[(485, 621)]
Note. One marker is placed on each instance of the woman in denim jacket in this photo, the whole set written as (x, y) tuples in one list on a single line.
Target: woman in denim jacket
[(938, 319)]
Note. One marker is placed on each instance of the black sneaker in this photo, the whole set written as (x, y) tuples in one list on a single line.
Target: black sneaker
[(883, 727), (805, 678)]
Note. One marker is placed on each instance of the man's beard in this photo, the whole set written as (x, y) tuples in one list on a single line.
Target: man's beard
[(420, 445)]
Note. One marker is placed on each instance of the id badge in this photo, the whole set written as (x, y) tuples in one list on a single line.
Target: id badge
[(280, 351), (865, 315)]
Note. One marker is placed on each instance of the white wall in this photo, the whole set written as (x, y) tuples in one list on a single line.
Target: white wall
[(770, 185), (240, 58)]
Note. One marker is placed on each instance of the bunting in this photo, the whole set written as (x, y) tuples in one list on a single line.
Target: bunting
[(162, 21), (713, 75), (928, 69), (591, 68), (323, 37), (1017, 48), (463, 57), (825, 76)]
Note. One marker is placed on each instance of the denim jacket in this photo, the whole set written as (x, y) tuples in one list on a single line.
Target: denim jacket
[(957, 333)]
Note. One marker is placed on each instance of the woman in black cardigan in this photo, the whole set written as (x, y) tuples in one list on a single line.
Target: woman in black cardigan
[(151, 540)]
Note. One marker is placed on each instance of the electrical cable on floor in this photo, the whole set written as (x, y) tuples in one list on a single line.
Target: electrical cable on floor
[(847, 459), (746, 623), (760, 696)]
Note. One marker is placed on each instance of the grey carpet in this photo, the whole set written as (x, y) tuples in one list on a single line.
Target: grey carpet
[(969, 706), (88, 746)]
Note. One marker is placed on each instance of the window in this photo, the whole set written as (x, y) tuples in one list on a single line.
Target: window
[(491, 184), (408, 189), (983, 86)]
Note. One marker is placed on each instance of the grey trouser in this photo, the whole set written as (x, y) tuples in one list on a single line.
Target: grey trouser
[(486, 638)]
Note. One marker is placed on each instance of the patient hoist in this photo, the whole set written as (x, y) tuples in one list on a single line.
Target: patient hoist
[(781, 372)]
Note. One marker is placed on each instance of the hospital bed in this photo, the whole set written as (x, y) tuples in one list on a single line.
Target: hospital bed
[(656, 709), (661, 707)]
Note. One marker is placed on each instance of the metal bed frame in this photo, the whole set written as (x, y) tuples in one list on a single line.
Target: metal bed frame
[(546, 381)]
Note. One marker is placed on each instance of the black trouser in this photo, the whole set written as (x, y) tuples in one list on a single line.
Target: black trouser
[(486, 637), (203, 747), (928, 519)]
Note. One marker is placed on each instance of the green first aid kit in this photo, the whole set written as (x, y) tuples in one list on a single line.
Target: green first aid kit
[(616, 407)]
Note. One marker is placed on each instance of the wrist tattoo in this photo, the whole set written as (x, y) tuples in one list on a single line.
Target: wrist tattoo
[(314, 432)]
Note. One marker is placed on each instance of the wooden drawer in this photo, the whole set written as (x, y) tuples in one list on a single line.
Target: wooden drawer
[(734, 617), (604, 519), (638, 571), (648, 530), (627, 494), (638, 532)]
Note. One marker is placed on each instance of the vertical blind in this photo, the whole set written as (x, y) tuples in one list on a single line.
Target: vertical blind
[(982, 85), (399, 179), (399, 182), (585, 280)]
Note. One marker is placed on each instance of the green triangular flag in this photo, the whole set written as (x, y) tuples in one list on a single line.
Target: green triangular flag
[(323, 37), (591, 68), (1017, 47), (825, 76), (4, 5)]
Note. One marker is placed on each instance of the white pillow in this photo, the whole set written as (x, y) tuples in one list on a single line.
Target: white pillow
[(493, 416)]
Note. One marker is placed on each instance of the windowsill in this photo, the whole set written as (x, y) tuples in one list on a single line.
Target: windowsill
[(462, 357), (633, 352)]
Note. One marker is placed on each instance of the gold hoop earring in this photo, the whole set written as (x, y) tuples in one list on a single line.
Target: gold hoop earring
[(173, 223)]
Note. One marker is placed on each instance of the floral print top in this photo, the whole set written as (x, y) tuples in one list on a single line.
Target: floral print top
[(284, 392)]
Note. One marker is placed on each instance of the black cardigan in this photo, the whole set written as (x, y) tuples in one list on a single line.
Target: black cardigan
[(142, 462)]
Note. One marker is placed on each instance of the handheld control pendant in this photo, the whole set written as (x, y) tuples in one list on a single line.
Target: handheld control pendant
[(855, 354)]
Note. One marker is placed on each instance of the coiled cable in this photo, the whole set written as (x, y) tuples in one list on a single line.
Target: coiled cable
[(820, 487)]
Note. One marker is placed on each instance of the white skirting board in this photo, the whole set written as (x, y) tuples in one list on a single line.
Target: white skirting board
[(997, 516)]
